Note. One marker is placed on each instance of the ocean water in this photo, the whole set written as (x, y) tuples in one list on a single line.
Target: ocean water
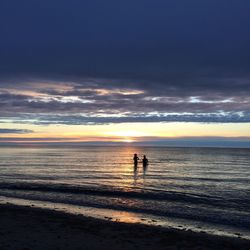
[(204, 189)]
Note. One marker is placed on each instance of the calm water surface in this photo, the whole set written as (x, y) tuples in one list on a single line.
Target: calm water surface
[(202, 187)]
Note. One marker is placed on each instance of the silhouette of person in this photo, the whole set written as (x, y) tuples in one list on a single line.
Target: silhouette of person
[(136, 158), (144, 161)]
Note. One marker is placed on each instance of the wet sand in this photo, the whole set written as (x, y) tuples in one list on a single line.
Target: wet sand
[(34, 228)]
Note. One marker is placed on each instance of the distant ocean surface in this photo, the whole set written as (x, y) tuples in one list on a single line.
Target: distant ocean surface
[(203, 187)]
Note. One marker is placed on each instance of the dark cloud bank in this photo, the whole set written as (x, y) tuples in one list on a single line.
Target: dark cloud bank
[(14, 131), (158, 61)]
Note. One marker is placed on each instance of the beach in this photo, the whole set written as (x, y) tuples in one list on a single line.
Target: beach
[(34, 228)]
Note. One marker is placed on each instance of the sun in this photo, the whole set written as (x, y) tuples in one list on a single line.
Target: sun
[(127, 136), (128, 140)]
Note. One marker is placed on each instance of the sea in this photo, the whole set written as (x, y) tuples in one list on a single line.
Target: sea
[(199, 189)]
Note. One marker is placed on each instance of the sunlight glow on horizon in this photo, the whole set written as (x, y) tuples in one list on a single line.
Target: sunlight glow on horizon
[(124, 132)]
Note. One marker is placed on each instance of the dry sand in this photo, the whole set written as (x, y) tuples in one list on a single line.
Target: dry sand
[(33, 228)]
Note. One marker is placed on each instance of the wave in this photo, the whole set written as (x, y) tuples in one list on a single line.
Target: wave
[(131, 193), (228, 219)]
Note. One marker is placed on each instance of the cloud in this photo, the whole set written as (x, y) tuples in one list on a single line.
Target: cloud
[(88, 62), (48, 119), (97, 103), (15, 131), (165, 41)]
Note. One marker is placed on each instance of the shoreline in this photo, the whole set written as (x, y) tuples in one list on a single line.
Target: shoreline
[(27, 227), (128, 217)]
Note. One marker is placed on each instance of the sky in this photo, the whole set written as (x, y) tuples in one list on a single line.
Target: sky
[(141, 71)]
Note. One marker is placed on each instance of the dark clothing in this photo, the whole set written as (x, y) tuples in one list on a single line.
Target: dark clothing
[(135, 159), (144, 162)]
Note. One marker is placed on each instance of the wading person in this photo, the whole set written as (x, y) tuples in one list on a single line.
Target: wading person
[(144, 161), (136, 158)]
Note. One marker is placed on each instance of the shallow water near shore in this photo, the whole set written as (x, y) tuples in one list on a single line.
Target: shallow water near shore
[(127, 217), (202, 189)]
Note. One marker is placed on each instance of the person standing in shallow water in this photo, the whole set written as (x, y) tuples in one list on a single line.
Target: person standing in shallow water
[(144, 161), (136, 158)]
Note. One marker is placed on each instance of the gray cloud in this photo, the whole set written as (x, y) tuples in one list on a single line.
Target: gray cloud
[(14, 131), (93, 120), (189, 61), (82, 104)]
